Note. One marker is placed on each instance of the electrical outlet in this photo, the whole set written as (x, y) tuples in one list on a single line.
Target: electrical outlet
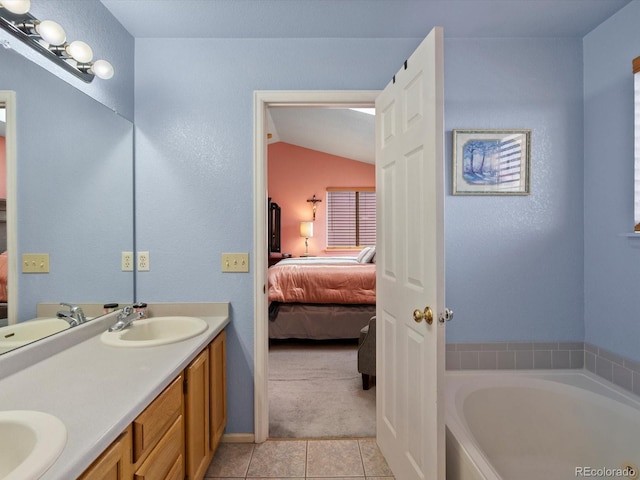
[(35, 263), (235, 262), (143, 261), (127, 261)]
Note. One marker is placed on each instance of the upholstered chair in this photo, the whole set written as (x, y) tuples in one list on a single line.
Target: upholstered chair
[(367, 354)]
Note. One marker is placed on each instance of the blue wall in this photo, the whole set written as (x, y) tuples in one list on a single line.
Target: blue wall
[(514, 265), (612, 261), (194, 163)]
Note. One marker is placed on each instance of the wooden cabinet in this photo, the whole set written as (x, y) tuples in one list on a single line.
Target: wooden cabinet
[(218, 386), (166, 459), (114, 463), (152, 424), (158, 438), (205, 406), (197, 416), (177, 434)]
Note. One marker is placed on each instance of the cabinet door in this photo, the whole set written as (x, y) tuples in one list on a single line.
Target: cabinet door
[(151, 425), (114, 463), (218, 384), (165, 461), (198, 452)]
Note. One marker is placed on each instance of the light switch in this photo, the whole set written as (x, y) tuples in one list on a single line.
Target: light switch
[(35, 263), (235, 262)]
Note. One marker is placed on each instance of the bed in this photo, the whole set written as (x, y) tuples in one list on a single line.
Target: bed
[(3, 279), (322, 298)]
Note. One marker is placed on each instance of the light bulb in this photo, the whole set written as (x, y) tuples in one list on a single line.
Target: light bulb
[(51, 32), (19, 7), (102, 69), (80, 51)]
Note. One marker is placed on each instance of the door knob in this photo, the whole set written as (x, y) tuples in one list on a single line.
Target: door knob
[(427, 315), (447, 316)]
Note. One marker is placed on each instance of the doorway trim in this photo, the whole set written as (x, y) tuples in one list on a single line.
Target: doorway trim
[(262, 100)]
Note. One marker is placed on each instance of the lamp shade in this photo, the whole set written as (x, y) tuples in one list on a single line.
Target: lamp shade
[(102, 69), (306, 229), (19, 7), (51, 32), (80, 51)]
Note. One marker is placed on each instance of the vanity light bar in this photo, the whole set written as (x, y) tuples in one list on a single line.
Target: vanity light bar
[(48, 38)]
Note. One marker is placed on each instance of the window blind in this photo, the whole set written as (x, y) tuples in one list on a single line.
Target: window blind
[(351, 218)]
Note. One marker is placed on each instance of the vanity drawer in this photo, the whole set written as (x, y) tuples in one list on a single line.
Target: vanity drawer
[(157, 418), (166, 460)]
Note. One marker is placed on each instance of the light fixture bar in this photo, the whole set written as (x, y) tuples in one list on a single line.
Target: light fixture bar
[(23, 27)]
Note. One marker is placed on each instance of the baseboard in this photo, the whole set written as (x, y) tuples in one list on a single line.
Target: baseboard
[(238, 438)]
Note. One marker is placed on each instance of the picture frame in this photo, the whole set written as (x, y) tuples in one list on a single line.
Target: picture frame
[(491, 162)]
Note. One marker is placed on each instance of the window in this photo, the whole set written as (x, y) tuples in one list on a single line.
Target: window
[(351, 217)]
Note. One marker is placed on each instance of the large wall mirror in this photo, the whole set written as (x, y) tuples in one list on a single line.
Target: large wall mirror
[(72, 188)]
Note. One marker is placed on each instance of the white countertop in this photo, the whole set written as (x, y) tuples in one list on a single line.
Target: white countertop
[(98, 390)]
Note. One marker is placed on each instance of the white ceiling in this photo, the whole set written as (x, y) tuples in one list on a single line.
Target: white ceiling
[(360, 18), (337, 131), (343, 132)]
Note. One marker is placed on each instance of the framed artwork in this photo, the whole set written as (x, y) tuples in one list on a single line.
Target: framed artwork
[(491, 162)]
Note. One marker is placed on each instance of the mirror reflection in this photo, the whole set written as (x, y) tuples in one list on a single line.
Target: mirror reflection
[(3, 220), (73, 179)]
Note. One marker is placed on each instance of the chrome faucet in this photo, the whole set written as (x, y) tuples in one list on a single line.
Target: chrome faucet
[(125, 318), (75, 315)]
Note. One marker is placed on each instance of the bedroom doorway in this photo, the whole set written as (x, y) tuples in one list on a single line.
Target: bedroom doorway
[(263, 101), (410, 174), (326, 154)]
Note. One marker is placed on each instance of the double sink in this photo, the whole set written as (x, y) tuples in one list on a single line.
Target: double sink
[(31, 441)]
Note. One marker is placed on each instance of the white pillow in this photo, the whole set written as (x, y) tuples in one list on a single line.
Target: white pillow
[(368, 255), (362, 254)]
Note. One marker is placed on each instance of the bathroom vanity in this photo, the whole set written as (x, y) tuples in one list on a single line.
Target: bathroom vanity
[(144, 413)]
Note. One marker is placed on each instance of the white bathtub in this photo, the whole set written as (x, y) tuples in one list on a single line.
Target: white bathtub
[(547, 425)]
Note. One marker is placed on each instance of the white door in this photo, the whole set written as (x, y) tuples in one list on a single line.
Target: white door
[(410, 265)]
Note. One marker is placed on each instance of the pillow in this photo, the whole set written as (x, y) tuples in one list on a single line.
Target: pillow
[(368, 255), (362, 253)]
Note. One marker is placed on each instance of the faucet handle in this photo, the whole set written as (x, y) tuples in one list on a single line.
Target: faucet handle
[(71, 306), (75, 311), (126, 311)]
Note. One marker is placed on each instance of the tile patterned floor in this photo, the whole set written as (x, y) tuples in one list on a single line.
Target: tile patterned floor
[(351, 459)]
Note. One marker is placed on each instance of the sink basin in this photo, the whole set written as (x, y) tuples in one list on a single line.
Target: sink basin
[(20, 334), (30, 442), (155, 331)]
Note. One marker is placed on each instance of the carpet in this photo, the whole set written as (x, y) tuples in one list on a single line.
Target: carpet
[(315, 391)]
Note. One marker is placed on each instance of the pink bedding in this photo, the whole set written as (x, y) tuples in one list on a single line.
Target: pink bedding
[(315, 282)]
